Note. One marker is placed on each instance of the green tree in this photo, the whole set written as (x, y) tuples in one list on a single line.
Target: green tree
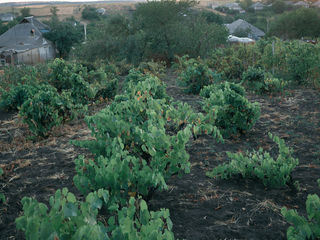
[(156, 18), (64, 35), (90, 13), (278, 6), (25, 12), (303, 22), (246, 4)]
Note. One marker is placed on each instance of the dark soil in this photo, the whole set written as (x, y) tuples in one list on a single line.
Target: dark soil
[(200, 207)]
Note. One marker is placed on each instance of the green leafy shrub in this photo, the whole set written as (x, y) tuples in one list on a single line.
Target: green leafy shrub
[(136, 222), (147, 85), (72, 77), (195, 76), (16, 96), (259, 164), (41, 112), (24, 75), (47, 109), (181, 114), (207, 90), (140, 123), (118, 172), (69, 218), (233, 112), (155, 68), (260, 81), (304, 228)]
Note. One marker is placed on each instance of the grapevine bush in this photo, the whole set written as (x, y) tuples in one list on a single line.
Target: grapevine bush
[(195, 76), (256, 79), (233, 112), (47, 109), (259, 164), (304, 228), (69, 218)]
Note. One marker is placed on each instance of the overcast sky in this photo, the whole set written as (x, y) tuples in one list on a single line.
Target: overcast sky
[(24, 1)]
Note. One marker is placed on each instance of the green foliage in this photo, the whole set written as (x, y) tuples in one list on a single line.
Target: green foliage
[(16, 96), (67, 218), (139, 123), (259, 164), (73, 77), (278, 6), (212, 17), (297, 24), (207, 90), (64, 35), (233, 112), (157, 31), (303, 63), (41, 112), (136, 222), (258, 80), (232, 61), (2, 196), (25, 74), (195, 76), (47, 109), (90, 13), (25, 12), (155, 68), (304, 228)]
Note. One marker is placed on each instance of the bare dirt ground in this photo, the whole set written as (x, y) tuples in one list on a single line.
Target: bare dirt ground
[(200, 207)]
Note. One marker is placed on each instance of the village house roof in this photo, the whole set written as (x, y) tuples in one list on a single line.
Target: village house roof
[(22, 37), (301, 4), (233, 6), (241, 25), (258, 5)]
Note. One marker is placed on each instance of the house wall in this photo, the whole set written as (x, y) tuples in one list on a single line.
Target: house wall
[(36, 55)]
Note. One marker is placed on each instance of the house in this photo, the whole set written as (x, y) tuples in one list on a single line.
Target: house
[(258, 6), (24, 43), (7, 17), (244, 28), (234, 6), (301, 4), (316, 4)]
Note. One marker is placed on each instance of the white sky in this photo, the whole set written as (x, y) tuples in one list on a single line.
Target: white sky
[(24, 1)]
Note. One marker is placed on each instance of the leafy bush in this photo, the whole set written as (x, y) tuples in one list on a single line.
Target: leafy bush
[(136, 222), (118, 172), (16, 96), (233, 112), (304, 228), (259, 164), (260, 81), (47, 109), (154, 68), (148, 85), (69, 218), (41, 112), (73, 77), (140, 124), (207, 90), (195, 76)]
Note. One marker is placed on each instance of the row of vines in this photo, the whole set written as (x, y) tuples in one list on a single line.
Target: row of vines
[(140, 137)]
